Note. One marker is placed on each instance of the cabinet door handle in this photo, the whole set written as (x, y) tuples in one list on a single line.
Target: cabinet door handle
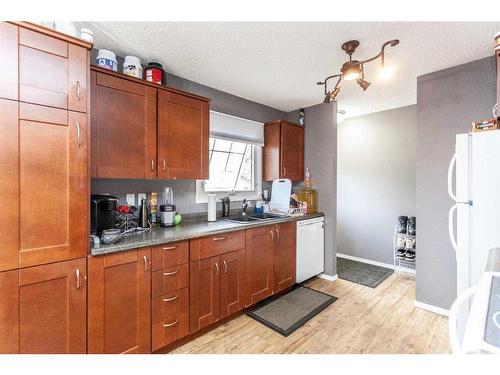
[(152, 164), (170, 273), (217, 269), (277, 233), (225, 266), (78, 134), (170, 248), (284, 171), (170, 299), (170, 324), (78, 90), (164, 164), (272, 234), (219, 238), (145, 262), (77, 278)]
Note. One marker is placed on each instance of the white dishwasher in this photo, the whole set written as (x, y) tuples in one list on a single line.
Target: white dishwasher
[(310, 248)]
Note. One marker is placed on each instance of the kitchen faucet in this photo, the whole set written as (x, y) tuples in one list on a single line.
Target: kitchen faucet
[(244, 206)]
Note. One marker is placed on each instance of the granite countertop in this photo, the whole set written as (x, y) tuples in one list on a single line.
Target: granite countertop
[(184, 231)]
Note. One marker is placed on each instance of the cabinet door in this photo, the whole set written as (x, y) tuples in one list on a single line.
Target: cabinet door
[(52, 72), (232, 288), (292, 152), (9, 61), (9, 312), (204, 292), (259, 264), (284, 256), (123, 128), (53, 186), (9, 184), (183, 133), (52, 308), (272, 151), (119, 300)]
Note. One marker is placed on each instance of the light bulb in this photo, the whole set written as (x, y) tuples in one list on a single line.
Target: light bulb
[(386, 72), (351, 76)]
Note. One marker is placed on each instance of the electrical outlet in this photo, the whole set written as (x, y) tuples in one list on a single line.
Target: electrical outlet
[(140, 197), (131, 199)]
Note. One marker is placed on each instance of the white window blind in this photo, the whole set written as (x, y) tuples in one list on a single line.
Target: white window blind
[(233, 128)]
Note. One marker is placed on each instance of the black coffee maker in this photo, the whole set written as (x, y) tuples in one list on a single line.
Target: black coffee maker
[(102, 207)]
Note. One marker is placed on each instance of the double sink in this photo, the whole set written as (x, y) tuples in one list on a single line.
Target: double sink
[(250, 218)]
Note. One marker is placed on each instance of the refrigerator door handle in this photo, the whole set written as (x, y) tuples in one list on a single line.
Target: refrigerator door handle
[(450, 177), (451, 230)]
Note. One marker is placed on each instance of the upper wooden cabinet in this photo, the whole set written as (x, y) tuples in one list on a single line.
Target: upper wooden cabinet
[(123, 134), (50, 70), (283, 151), (141, 130), (43, 309), (119, 299)]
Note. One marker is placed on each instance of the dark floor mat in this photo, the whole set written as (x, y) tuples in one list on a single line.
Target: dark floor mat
[(362, 273), (288, 312)]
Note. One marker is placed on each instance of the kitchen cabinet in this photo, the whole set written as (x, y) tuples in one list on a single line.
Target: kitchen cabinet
[(259, 260), (119, 302), (43, 309), (9, 44), (232, 283), (284, 261), (123, 123), (283, 151), (183, 134)]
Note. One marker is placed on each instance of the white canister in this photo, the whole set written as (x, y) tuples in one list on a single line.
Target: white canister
[(132, 66), (107, 59), (211, 210), (87, 35)]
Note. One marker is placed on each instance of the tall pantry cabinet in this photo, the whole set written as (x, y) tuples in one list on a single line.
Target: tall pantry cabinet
[(44, 183)]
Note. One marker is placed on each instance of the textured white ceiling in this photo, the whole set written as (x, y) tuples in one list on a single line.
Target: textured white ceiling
[(279, 63)]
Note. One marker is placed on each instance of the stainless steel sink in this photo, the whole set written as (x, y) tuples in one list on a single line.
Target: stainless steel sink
[(251, 218)]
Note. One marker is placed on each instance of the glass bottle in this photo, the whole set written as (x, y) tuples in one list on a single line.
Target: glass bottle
[(309, 195)]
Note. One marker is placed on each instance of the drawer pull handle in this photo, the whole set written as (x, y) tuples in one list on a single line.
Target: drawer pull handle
[(217, 269), (170, 248), (272, 234), (171, 324), (170, 299), (225, 266), (170, 273), (78, 134), (219, 238), (277, 233), (78, 90), (164, 164), (77, 278), (145, 258)]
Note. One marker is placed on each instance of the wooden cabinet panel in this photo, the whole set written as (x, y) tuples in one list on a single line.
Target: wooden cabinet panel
[(283, 151), (207, 247), (170, 318), (9, 73), (284, 256), (232, 287), (169, 255), (53, 185), (170, 279), (204, 299), (123, 128), (258, 264), (9, 312), (183, 133), (119, 298), (9, 184), (52, 72), (292, 152)]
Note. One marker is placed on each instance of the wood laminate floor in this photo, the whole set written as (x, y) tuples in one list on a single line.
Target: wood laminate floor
[(362, 320)]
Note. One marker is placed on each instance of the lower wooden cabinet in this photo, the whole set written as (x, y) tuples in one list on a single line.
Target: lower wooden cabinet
[(43, 309), (284, 261), (119, 298), (216, 288)]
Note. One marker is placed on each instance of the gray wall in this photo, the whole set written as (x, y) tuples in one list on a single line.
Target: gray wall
[(375, 180), (184, 191), (321, 159), (448, 101)]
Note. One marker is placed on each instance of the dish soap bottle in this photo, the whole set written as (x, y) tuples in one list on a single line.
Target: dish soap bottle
[(309, 195)]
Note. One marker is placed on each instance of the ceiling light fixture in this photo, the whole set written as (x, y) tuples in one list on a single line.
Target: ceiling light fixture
[(354, 69)]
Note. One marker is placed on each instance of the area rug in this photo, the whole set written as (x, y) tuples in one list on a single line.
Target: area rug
[(362, 273), (288, 312)]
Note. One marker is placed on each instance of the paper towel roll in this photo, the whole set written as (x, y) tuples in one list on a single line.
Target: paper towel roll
[(211, 211)]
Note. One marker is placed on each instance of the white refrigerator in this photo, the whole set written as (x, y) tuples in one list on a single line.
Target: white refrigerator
[(477, 203)]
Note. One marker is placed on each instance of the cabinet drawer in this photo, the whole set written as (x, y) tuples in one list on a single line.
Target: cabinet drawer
[(207, 247), (170, 255), (170, 280), (170, 318)]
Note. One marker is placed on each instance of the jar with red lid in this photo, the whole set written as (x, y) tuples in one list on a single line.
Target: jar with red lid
[(154, 73)]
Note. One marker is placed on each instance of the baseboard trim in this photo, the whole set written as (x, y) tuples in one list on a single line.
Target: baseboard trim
[(432, 308), (368, 261), (328, 277)]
